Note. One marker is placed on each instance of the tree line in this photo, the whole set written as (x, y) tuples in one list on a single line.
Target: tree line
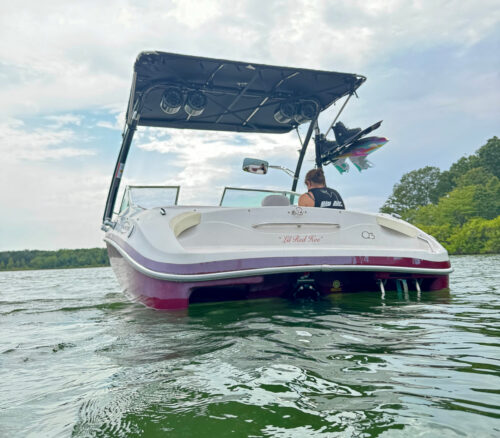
[(61, 259), (460, 207)]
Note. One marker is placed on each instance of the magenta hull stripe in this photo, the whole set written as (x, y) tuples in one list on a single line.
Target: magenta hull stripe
[(265, 262)]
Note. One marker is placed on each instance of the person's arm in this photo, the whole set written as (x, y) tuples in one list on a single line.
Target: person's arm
[(306, 200)]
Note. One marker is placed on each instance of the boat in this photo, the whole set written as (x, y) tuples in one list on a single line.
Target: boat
[(255, 243)]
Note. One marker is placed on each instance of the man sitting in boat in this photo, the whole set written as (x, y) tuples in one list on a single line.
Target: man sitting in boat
[(319, 195)]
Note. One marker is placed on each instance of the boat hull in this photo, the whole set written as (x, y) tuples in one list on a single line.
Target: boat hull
[(164, 288)]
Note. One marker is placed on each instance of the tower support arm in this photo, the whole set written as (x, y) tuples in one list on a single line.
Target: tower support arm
[(128, 135), (303, 153)]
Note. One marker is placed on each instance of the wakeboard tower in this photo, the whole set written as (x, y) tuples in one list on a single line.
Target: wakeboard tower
[(256, 243)]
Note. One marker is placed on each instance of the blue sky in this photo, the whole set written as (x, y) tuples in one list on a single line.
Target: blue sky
[(433, 71)]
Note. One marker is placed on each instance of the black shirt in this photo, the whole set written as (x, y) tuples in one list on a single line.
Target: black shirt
[(326, 197)]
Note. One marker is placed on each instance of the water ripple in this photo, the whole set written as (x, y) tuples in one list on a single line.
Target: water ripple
[(79, 359)]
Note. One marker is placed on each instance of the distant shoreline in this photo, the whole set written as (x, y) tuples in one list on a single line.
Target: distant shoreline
[(29, 260), (52, 269)]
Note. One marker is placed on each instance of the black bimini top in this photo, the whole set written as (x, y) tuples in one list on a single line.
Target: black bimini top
[(180, 91)]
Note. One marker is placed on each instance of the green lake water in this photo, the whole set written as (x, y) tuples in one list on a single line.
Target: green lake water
[(78, 359)]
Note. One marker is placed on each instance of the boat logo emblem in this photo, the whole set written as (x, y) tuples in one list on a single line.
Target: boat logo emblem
[(367, 235), (297, 211)]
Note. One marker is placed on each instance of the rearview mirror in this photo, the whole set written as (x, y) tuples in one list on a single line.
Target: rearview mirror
[(253, 165)]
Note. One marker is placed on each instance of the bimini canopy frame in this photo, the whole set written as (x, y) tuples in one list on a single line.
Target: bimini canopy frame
[(188, 92)]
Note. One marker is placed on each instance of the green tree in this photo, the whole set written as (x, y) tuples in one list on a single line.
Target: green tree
[(460, 205), (64, 258), (486, 157), (478, 236), (475, 176), (462, 166), (492, 244), (37, 262), (416, 188), (489, 156)]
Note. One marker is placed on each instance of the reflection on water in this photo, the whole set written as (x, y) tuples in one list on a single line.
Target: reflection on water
[(81, 360)]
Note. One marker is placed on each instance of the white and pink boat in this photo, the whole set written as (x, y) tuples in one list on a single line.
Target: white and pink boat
[(255, 243)]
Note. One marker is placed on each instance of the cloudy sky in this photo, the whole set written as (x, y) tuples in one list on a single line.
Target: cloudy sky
[(433, 69)]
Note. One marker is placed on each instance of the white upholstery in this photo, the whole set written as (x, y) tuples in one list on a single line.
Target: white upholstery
[(275, 200)]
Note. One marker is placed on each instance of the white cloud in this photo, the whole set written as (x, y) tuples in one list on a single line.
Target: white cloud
[(18, 144), (107, 125), (194, 13), (64, 119)]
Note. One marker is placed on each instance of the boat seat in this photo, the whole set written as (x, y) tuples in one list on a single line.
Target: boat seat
[(275, 201), (184, 221)]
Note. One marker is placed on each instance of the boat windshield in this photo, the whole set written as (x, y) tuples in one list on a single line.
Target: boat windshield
[(240, 197), (153, 196)]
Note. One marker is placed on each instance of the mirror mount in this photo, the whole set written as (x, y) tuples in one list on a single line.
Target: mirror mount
[(288, 171)]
